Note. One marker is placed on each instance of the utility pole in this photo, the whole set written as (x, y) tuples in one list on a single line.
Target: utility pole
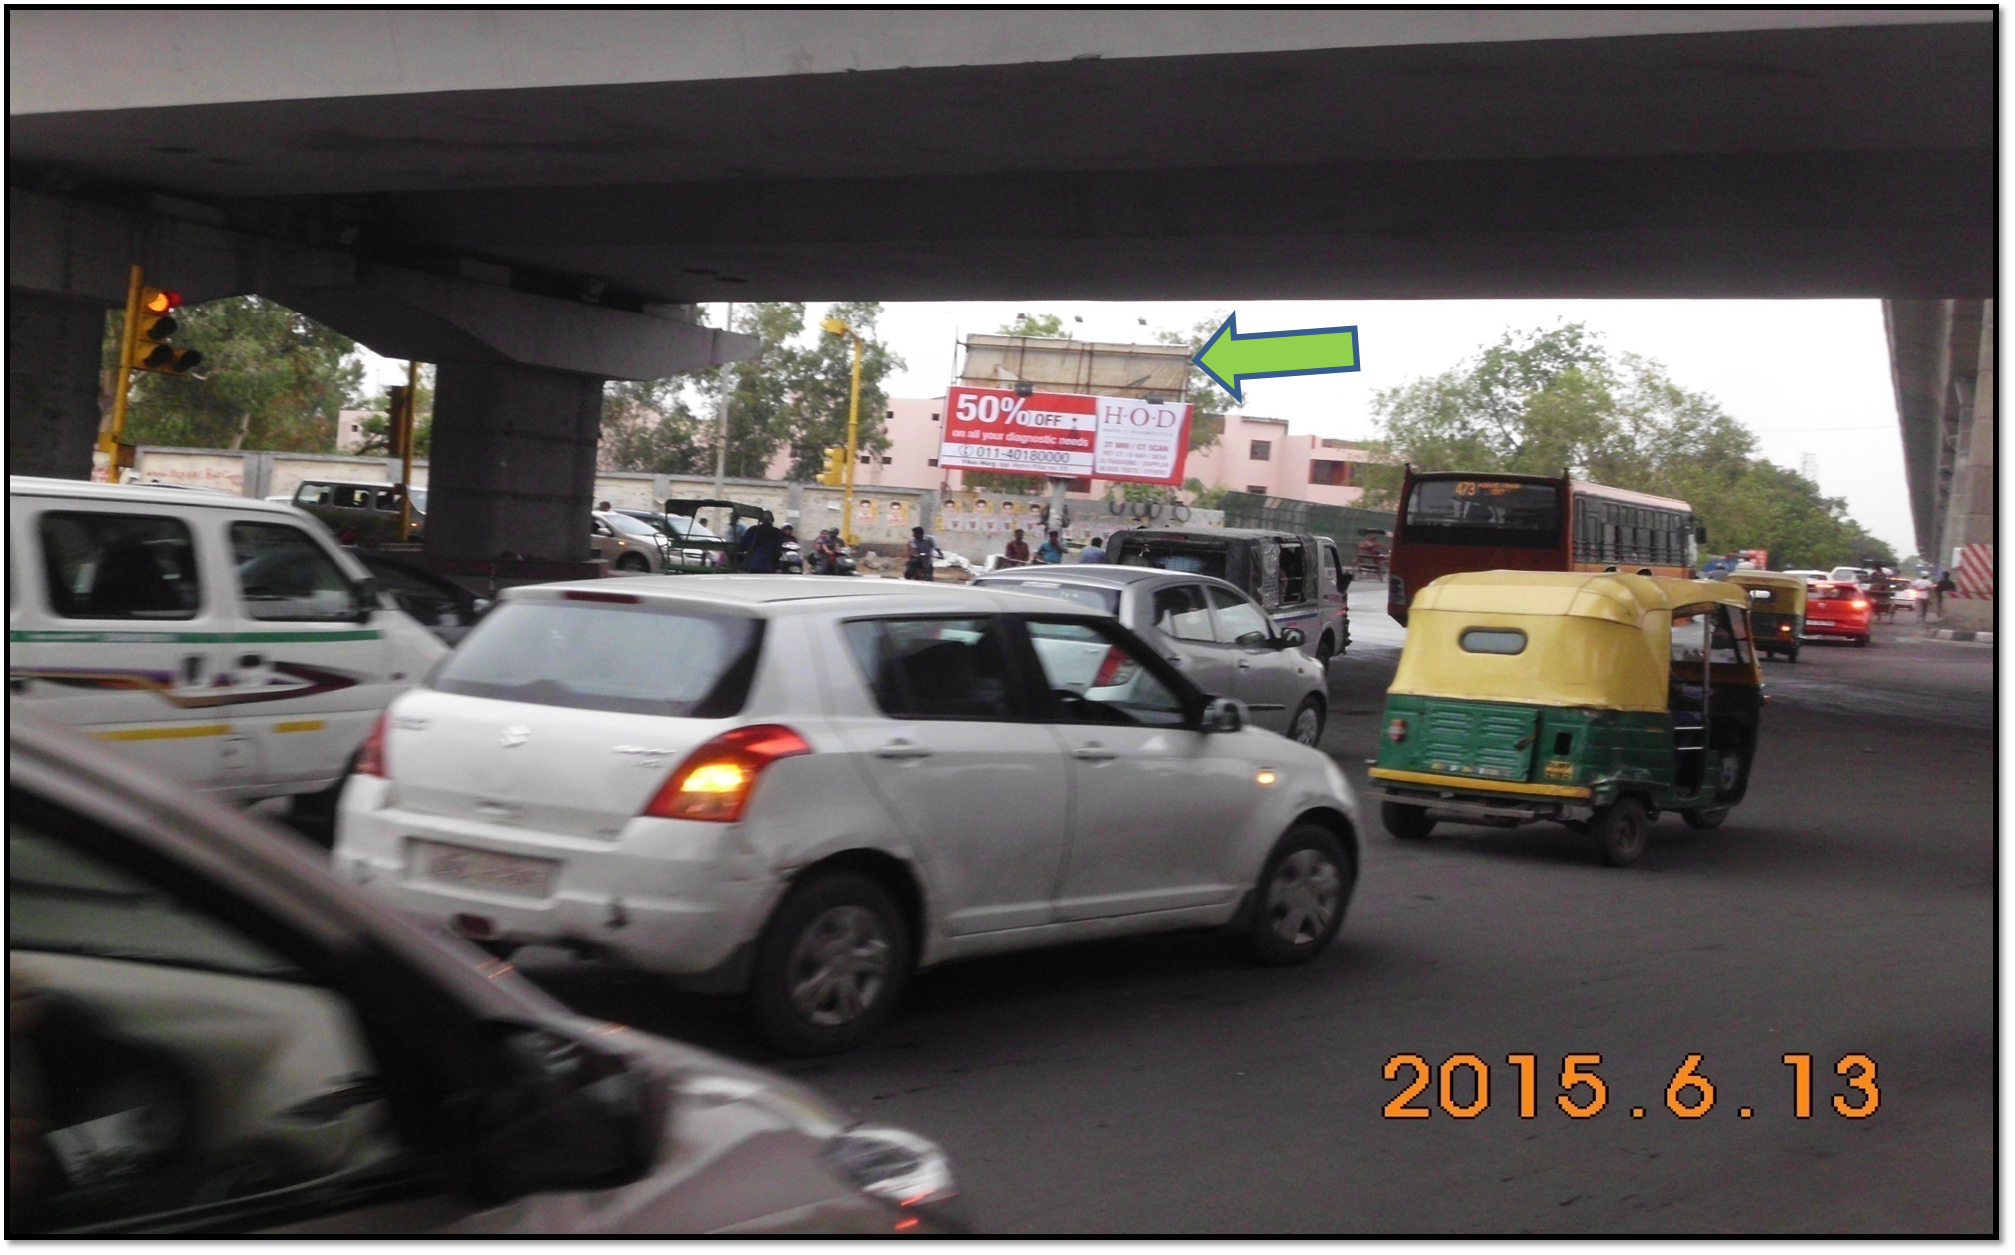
[(721, 421), (836, 327), (404, 420)]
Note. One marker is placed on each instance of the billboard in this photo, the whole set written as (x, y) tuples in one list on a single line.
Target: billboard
[(1065, 434)]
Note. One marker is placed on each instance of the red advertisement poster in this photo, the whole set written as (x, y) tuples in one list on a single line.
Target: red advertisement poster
[(1065, 434)]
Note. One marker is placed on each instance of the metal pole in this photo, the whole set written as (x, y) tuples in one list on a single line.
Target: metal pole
[(853, 442), (405, 421), (110, 441), (721, 422)]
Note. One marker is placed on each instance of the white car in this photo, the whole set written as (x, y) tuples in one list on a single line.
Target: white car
[(802, 789)]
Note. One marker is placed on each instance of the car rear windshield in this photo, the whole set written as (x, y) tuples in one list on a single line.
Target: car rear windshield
[(631, 658), (1173, 553), (1105, 599), (1483, 511), (1835, 593)]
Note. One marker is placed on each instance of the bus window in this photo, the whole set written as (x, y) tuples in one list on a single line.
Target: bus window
[(1483, 512)]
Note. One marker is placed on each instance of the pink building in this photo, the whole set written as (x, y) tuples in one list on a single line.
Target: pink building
[(1254, 455)]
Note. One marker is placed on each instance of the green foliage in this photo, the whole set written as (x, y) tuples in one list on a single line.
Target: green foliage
[(377, 427), (1211, 403), (822, 383), (1542, 401), (272, 379), (647, 426), (1202, 497), (1049, 326), (760, 390)]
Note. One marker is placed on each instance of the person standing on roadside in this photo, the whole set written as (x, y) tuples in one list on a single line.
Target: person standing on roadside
[(1922, 587), (1016, 553), (1938, 591), (762, 546), (1093, 552), (1051, 552)]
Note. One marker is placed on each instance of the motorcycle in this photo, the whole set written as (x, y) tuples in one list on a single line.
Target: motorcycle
[(791, 561), (839, 561)]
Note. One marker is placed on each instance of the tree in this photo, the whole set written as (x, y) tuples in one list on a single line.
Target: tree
[(647, 426), (270, 379), (760, 390), (1550, 400), (1046, 326), (821, 388)]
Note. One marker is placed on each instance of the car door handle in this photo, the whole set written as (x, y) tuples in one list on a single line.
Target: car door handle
[(902, 749), (1094, 753), (1245, 664), (1175, 660)]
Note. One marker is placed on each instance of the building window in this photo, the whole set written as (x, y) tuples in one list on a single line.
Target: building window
[(888, 459), (1334, 474), (889, 414), (937, 418), (1257, 490), (934, 461), (1262, 450)]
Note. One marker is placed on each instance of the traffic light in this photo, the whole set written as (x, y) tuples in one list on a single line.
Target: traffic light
[(398, 425), (153, 323), (835, 474)]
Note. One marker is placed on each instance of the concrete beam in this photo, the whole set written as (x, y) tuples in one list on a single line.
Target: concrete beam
[(68, 247)]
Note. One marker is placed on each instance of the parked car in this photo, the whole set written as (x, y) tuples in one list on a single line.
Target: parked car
[(1839, 609), (629, 545), (1213, 632), (360, 513), (1299, 579), (439, 604), (209, 1034), (693, 546), (226, 642), (803, 790)]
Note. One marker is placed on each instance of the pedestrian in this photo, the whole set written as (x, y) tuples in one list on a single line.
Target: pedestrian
[(1938, 591), (1051, 551), (762, 546), (605, 506), (1093, 552), (922, 549), (1922, 587), (1017, 551)]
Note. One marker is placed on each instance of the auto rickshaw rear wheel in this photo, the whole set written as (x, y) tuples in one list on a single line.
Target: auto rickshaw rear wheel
[(1704, 817), (1621, 831), (1408, 823)]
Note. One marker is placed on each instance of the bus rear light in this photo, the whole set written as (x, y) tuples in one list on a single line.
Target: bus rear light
[(716, 779)]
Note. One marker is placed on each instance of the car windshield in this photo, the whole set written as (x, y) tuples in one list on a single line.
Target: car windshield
[(629, 526), (632, 657), (1104, 599)]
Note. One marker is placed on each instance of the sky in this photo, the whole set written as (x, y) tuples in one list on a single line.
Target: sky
[(1809, 378)]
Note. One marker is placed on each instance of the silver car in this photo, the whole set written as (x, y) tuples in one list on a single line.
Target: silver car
[(1208, 627), (208, 1034), (627, 544)]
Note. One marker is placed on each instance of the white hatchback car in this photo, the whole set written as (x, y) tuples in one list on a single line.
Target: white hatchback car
[(802, 789)]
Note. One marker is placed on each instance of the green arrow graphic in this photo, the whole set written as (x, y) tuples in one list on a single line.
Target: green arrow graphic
[(1230, 358)]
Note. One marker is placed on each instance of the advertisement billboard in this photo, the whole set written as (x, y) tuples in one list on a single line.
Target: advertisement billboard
[(1065, 434)]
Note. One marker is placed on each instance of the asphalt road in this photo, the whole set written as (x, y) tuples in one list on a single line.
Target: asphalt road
[(1847, 907)]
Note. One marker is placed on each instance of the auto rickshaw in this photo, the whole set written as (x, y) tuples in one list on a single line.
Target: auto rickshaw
[(1593, 700), (708, 528), (1776, 609)]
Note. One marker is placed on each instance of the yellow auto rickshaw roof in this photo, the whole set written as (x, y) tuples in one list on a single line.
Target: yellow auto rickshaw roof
[(1765, 579), (1613, 596), (1591, 639)]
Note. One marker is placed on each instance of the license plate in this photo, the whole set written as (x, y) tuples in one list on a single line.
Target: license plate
[(481, 869)]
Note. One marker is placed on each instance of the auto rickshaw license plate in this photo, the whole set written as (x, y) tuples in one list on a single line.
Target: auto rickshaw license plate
[(1559, 769)]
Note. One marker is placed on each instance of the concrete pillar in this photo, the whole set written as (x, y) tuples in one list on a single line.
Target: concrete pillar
[(55, 352), (512, 468), (1969, 518)]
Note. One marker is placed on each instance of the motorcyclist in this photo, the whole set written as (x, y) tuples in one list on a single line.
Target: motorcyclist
[(922, 549)]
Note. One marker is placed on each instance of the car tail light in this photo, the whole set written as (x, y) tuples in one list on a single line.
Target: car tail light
[(716, 779), (1116, 669), (1858, 604), (1396, 730), (371, 759)]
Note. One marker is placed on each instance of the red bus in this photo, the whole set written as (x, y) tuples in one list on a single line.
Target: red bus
[(1453, 521)]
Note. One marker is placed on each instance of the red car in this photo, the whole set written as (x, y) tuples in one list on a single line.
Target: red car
[(1838, 608)]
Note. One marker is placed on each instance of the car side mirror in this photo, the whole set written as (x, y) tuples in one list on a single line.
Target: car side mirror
[(565, 1114), (1224, 714), (1253, 640), (366, 592), (1291, 639)]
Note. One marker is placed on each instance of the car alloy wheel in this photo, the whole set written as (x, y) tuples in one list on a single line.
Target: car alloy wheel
[(839, 966), (1307, 727), (1302, 897)]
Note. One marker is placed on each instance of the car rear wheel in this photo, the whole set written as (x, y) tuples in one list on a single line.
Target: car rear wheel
[(1621, 831), (632, 562), (1408, 823), (1704, 818), (1306, 727), (830, 965), (1303, 894)]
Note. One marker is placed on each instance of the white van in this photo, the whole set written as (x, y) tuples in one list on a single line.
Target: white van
[(224, 641)]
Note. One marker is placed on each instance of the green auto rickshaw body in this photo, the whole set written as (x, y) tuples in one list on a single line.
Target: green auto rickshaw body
[(1526, 695)]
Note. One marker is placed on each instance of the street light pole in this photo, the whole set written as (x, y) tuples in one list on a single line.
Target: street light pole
[(721, 420), (836, 327)]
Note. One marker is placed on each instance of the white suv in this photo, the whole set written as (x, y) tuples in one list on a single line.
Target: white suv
[(804, 788)]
